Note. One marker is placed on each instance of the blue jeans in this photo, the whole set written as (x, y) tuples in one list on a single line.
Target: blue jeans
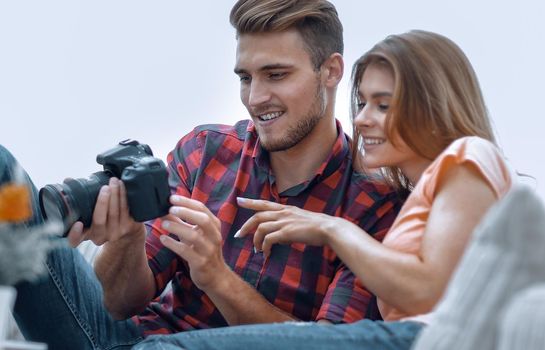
[(366, 334), (65, 308)]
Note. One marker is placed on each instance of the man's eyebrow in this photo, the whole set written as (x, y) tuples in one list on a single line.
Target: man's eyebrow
[(276, 66), (266, 67)]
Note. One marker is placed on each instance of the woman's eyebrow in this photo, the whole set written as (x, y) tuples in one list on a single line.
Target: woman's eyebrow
[(375, 94), (381, 94)]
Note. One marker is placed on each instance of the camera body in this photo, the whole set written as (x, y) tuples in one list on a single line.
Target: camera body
[(144, 176)]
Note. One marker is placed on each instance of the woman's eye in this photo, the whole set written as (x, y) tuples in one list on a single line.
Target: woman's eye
[(383, 107), (360, 105)]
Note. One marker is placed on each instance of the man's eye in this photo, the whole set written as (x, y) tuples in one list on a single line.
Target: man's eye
[(244, 78), (277, 76)]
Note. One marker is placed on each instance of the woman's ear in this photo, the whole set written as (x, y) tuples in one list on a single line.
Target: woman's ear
[(333, 70)]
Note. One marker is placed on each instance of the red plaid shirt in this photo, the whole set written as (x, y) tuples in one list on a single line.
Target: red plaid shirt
[(214, 164)]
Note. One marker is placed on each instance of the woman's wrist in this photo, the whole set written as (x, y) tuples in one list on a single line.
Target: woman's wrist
[(330, 230)]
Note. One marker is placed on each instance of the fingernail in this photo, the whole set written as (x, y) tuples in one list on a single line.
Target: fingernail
[(255, 250), (176, 198), (105, 189), (241, 200), (78, 227), (237, 234), (163, 238), (165, 225), (175, 210)]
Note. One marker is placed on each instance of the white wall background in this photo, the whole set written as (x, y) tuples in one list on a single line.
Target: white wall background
[(78, 76)]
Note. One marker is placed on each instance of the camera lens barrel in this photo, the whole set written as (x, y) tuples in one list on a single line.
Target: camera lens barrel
[(73, 200), (55, 206)]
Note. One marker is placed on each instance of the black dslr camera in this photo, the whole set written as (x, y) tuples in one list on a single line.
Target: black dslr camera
[(144, 176)]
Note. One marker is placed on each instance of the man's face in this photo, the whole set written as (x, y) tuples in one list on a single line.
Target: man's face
[(280, 88)]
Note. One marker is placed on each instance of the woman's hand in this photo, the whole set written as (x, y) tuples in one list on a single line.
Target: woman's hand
[(284, 224)]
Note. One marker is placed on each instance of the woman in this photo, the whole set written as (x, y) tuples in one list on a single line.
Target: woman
[(419, 115)]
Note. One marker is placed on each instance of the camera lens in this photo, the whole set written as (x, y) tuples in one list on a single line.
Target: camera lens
[(73, 200), (53, 203)]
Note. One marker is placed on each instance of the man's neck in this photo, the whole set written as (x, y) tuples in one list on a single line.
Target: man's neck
[(300, 163)]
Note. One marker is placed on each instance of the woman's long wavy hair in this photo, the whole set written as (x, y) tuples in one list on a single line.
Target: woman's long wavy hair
[(436, 98)]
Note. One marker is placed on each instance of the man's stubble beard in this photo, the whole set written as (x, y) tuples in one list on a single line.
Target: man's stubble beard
[(304, 127)]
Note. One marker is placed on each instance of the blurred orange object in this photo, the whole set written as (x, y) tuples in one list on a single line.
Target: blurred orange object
[(15, 203)]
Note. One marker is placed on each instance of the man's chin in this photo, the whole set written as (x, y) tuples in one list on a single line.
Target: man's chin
[(277, 145)]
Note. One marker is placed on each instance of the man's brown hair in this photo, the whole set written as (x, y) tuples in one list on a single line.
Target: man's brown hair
[(316, 20)]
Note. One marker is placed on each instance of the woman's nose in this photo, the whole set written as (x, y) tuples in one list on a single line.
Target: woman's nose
[(363, 118)]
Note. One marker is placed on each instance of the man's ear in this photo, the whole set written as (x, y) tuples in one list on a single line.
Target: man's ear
[(332, 70)]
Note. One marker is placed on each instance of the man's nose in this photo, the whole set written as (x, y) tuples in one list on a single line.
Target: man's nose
[(259, 94)]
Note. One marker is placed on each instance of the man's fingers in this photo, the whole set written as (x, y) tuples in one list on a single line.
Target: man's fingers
[(171, 217), (182, 249), (259, 204), (185, 232), (209, 224), (123, 204), (100, 213), (193, 204), (75, 235), (189, 215), (113, 205)]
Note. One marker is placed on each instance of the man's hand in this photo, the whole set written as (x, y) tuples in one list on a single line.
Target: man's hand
[(122, 267), (111, 219), (200, 241)]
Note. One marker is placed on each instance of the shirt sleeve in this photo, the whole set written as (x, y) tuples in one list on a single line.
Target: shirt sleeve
[(183, 163), (346, 300), (482, 155)]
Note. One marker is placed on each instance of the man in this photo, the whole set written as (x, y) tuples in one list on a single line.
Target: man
[(292, 151)]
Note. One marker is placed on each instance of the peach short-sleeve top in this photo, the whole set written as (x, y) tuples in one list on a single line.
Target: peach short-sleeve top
[(408, 229)]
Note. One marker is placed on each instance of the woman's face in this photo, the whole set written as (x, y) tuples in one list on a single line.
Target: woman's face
[(375, 93)]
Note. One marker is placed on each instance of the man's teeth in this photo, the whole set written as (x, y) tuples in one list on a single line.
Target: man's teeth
[(270, 116), (373, 141)]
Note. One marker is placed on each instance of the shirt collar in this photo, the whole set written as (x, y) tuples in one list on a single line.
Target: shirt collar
[(338, 154)]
